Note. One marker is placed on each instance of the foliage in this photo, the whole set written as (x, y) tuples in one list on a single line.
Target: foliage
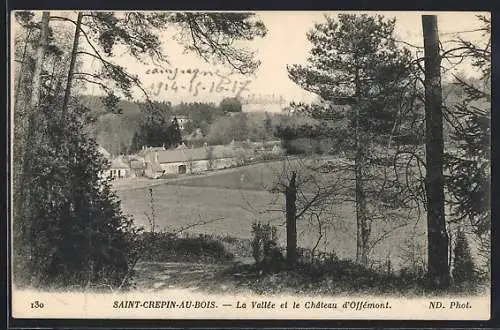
[(320, 260), (226, 129), (211, 158), (468, 164), (201, 115), (230, 104), (155, 131), (78, 235), (355, 50), (304, 139), (326, 278), (70, 230), (166, 247), (174, 133), (264, 246), (355, 63), (367, 83), (243, 127), (115, 132), (262, 234), (413, 254), (212, 35), (463, 264)]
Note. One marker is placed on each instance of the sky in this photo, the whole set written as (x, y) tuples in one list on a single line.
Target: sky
[(284, 44)]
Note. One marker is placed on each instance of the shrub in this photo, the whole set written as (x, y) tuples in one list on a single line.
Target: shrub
[(464, 269), (321, 259), (227, 238), (299, 146), (167, 247), (72, 232), (412, 253), (264, 243)]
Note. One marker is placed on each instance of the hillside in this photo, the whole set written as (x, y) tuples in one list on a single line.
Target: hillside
[(238, 197), (115, 131)]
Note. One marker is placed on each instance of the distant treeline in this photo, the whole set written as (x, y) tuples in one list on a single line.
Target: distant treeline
[(208, 122)]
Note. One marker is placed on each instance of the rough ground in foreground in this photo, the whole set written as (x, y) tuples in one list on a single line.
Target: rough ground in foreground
[(244, 277)]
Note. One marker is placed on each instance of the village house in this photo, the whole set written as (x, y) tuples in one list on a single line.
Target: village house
[(184, 160), (154, 162), (182, 121), (150, 166), (119, 167), (137, 166)]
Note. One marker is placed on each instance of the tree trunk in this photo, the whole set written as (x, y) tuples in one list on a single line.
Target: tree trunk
[(363, 230), (23, 220), (362, 225), (21, 69), (40, 57), (67, 91), (20, 123), (438, 270), (291, 221), (66, 154)]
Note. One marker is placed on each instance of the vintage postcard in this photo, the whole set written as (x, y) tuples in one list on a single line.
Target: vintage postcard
[(250, 165)]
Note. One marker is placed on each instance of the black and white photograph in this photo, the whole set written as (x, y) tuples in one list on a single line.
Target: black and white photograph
[(250, 164)]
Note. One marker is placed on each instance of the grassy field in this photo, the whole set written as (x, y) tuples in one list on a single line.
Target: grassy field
[(235, 198)]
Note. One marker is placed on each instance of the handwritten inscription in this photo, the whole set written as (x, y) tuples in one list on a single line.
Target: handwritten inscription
[(195, 81), (263, 99)]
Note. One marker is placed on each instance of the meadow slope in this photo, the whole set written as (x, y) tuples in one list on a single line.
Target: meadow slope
[(235, 198)]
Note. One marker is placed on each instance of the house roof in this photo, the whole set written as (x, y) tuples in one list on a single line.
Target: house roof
[(181, 117), (146, 150), (103, 152), (184, 155)]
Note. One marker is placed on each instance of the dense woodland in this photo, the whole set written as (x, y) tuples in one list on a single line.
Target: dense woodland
[(414, 144)]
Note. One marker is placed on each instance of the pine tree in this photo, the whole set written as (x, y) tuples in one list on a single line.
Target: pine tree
[(154, 130), (463, 264), (355, 62), (469, 181), (174, 133)]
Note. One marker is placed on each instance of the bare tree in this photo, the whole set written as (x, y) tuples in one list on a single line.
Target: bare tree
[(310, 191)]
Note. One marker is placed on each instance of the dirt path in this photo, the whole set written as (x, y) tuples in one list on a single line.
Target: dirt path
[(139, 183), (156, 276)]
